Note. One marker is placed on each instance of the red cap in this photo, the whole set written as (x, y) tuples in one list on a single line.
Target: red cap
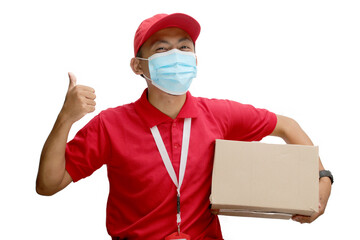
[(160, 21)]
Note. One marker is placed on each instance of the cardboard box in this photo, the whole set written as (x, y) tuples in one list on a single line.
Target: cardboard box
[(255, 179)]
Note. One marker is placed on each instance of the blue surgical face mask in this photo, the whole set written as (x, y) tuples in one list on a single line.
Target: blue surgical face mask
[(172, 71)]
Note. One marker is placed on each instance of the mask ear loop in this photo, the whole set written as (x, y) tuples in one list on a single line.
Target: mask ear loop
[(145, 59), (146, 77), (144, 74)]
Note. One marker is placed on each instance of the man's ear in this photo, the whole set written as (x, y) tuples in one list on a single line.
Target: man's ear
[(135, 66)]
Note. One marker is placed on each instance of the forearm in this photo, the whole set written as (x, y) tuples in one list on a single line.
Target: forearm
[(52, 161), (52, 176)]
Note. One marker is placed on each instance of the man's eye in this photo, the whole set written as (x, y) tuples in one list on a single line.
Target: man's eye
[(185, 48), (161, 49)]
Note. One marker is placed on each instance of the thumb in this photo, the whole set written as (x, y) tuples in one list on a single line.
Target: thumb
[(72, 80)]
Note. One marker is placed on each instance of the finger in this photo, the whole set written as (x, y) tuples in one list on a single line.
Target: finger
[(296, 218), (301, 219), (90, 102), (215, 211), (89, 95), (72, 80), (85, 88), (90, 109)]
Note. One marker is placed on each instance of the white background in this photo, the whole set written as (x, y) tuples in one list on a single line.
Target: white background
[(296, 58)]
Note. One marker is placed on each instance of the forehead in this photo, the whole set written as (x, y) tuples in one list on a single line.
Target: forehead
[(167, 34)]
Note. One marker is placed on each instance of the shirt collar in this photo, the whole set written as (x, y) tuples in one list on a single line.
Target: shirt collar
[(152, 116)]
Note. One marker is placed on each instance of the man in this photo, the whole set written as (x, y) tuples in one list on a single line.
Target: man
[(148, 145)]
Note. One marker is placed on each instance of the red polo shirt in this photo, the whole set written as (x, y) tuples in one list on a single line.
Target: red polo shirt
[(142, 197)]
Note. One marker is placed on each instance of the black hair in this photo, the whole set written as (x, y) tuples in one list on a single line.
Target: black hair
[(139, 54)]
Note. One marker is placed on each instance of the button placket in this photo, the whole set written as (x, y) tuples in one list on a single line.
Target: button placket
[(176, 143)]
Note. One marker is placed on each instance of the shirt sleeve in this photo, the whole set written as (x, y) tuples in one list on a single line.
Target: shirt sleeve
[(88, 151), (243, 122)]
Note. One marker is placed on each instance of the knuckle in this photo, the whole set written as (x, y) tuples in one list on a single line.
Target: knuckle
[(83, 105)]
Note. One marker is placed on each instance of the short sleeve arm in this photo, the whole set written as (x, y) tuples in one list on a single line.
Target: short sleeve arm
[(243, 122), (88, 151), (251, 124)]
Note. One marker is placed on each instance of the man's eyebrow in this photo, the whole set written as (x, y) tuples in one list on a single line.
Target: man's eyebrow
[(184, 39), (168, 43), (160, 41)]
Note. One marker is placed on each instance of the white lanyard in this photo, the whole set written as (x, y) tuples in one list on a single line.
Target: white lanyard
[(183, 159)]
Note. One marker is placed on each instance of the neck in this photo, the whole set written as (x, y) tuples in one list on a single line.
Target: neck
[(166, 103)]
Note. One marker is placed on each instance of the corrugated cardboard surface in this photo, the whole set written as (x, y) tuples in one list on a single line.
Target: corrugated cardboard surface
[(265, 180)]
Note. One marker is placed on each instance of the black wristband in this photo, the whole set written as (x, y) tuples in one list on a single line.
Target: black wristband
[(326, 173)]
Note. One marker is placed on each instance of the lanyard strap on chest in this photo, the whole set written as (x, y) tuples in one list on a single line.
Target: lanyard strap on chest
[(183, 159), (165, 156)]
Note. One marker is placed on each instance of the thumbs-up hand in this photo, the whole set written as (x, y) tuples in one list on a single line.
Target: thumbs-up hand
[(79, 100)]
